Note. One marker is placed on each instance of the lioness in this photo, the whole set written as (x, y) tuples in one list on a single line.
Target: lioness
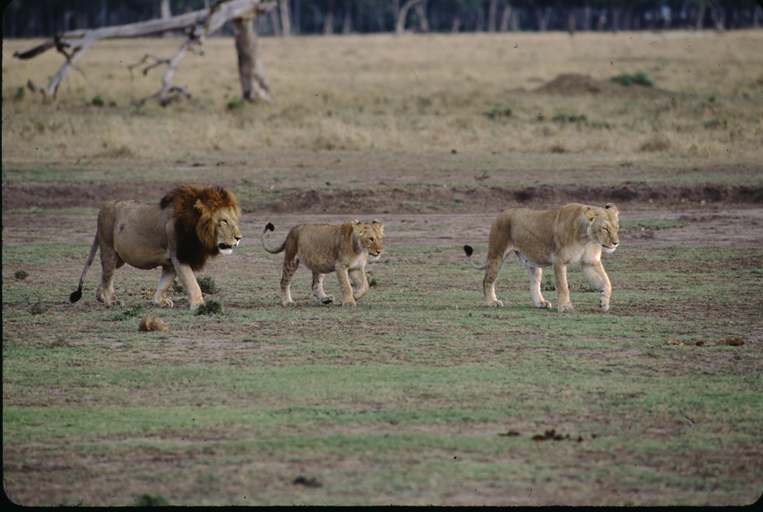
[(189, 225), (544, 238), (325, 248)]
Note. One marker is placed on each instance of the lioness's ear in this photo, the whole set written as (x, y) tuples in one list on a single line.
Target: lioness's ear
[(589, 213), (611, 206), (381, 226)]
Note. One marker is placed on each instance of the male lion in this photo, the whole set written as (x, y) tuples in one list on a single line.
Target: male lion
[(325, 248), (188, 226), (544, 238)]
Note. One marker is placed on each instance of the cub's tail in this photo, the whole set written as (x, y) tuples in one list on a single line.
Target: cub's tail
[(77, 295), (270, 227), (469, 251)]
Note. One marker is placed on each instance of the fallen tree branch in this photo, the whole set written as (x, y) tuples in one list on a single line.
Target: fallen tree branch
[(198, 24)]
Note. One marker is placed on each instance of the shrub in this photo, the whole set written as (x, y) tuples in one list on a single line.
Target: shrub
[(210, 307), (626, 80), (207, 285), (98, 101), (130, 313), (497, 112)]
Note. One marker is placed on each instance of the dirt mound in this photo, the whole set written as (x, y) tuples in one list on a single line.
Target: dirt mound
[(433, 199), (413, 199), (56, 195), (576, 84)]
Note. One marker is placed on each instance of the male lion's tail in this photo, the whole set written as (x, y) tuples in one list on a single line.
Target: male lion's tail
[(270, 227), (469, 251), (77, 295)]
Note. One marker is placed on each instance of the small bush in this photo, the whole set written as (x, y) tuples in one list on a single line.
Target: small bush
[(715, 124), (98, 101), (210, 307), (207, 285), (236, 103), (37, 309), (627, 80), (20, 93), (147, 500), (21, 275), (135, 312), (497, 112), (570, 118), (711, 99)]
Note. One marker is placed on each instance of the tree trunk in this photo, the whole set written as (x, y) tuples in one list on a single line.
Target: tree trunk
[(165, 13), (198, 24), (347, 22), (615, 20), (492, 15), (275, 22), (505, 16), (250, 69), (285, 18), (402, 14), (700, 18), (571, 21), (328, 23), (718, 16), (456, 24), (421, 10), (544, 16), (587, 15)]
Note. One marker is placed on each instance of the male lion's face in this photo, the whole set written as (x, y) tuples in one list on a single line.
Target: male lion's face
[(370, 236), (227, 233), (603, 226)]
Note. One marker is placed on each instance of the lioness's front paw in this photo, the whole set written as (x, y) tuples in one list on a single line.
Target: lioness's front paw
[(288, 303), (195, 306), (328, 299), (544, 304), (349, 303), (566, 308), (495, 304), (604, 305)]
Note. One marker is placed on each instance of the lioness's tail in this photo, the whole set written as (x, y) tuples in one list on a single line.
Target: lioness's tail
[(75, 296), (270, 227), (469, 251)]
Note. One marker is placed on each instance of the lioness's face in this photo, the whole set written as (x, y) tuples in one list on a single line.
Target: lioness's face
[(603, 227), (227, 232), (370, 236)]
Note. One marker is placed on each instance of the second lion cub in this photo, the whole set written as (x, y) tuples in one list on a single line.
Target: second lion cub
[(324, 248)]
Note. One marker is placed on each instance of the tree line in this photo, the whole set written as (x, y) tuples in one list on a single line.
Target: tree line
[(44, 18)]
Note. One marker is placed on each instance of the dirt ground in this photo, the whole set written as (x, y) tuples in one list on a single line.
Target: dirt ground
[(414, 216), (709, 215)]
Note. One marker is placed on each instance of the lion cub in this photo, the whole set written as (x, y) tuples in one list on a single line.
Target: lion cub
[(545, 238), (324, 248)]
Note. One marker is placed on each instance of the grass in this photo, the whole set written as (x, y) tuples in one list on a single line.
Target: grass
[(394, 393), (368, 99), (406, 398)]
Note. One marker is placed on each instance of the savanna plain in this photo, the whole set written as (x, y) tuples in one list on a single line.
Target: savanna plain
[(421, 394)]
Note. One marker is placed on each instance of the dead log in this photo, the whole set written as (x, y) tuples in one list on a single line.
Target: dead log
[(197, 24)]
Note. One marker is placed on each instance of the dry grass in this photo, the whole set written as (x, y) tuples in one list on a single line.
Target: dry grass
[(413, 93)]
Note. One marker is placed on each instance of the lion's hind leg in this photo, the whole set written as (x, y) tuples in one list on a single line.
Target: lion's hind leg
[(165, 281), (290, 265), (110, 261), (495, 260), (318, 289)]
